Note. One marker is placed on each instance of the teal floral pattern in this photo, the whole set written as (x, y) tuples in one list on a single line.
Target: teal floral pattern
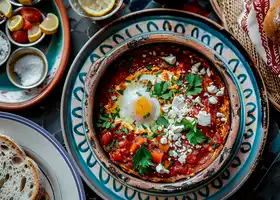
[(251, 115)]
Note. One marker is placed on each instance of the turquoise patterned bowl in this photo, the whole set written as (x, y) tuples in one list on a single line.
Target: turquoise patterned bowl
[(207, 170)]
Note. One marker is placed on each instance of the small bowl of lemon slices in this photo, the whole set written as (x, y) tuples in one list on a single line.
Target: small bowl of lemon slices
[(24, 2), (96, 10), (28, 26)]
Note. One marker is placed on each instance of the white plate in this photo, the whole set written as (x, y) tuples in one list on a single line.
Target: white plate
[(61, 179)]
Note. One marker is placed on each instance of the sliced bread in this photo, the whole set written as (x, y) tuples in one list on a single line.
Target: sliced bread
[(19, 174)]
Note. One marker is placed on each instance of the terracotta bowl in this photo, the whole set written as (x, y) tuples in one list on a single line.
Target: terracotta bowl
[(207, 170)]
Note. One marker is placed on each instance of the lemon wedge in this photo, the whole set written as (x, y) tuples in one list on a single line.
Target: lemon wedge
[(25, 2), (34, 33), (50, 24), (6, 8), (97, 8), (15, 23)]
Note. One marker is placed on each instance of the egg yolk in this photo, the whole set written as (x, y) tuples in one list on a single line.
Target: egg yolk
[(143, 107)]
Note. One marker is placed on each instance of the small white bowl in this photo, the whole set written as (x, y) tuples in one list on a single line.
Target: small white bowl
[(9, 47), (8, 32), (15, 80), (79, 10), (16, 3)]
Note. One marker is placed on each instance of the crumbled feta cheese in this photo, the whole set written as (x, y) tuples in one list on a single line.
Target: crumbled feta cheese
[(220, 92), (163, 140), (144, 55), (173, 153), (185, 110), (197, 146), (123, 136), (173, 113), (178, 143), (206, 94), (160, 128), (177, 63), (204, 118), (166, 108), (160, 169), (176, 137), (223, 120), (212, 89), (208, 72), (197, 100), (220, 114), (154, 53), (169, 159), (190, 96), (212, 100), (114, 98), (195, 68), (189, 150), (182, 158), (178, 102), (202, 71), (178, 129), (169, 59), (183, 137), (150, 53), (190, 119)]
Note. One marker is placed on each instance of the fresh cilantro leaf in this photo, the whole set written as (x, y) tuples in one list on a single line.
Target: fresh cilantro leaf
[(134, 123), (162, 90), (154, 135), (138, 77), (149, 67), (139, 94), (116, 113), (195, 137), (110, 147), (122, 130), (144, 127), (161, 121), (117, 143), (194, 84), (142, 160), (158, 88), (149, 86), (111, 91), (154, 128), (187, 124), (167, 95), (147, 115), (128, 81), (165, 86), (120, 91)]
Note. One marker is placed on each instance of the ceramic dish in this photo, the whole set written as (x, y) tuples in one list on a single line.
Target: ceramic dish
[(254, 104), (78, 9), (18, 54), (56, 48), (29, 44), (94, 77), (16, 2), (9, 47), (59, 172)]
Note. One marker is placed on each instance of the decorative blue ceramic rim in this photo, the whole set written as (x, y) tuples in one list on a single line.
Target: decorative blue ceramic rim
[(261, 121), (55, 143)]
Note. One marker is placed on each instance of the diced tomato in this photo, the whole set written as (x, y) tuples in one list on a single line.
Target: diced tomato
[(157, 157), (20, 36), (26, 25), (167, 163), (192, 159), (117, 156), (137, 144), (164, 147), (106, 138), (31, 15)]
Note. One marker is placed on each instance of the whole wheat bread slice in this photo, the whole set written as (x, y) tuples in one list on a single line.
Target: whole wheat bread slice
[(19, 174)]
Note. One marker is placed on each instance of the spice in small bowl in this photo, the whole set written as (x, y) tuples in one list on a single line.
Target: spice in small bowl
[(27, 67), (5, 48)]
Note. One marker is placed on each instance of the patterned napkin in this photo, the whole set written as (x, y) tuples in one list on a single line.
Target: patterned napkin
[(251, 21)]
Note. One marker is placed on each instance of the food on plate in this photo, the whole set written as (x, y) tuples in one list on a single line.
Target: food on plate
[(15, 23), (25, 2), (34, 33), (30, 69), (50, 24), (6, 8), (4, 47), (32, 15), (20, 36), (271, 23), (19, 177), (163, 112), (97, 8)]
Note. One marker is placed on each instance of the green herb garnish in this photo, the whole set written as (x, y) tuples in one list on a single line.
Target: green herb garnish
[(162, 90), (149, 67), (142, 160), (122, 130), (116, 113), (120, 91), (128, 81), (154, 135), (194, 84), (147, 115), (161, 121), (149, 86), (111, 91), (110, 147)]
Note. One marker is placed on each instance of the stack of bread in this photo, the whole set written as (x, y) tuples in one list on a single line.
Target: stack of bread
[(271, 23), (19, 174)]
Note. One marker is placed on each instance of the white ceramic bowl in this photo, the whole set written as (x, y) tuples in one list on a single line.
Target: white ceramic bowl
[(9, 47), (8, 32), (78, 9), (14, 57)]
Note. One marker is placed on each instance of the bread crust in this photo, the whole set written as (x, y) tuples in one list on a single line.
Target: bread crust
[(271, 23), (31, 164)]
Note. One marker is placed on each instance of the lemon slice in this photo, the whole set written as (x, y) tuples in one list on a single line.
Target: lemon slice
[(50, 24), (25, 2), (34, 33), (6, 8), (97, 8), (15, 23)]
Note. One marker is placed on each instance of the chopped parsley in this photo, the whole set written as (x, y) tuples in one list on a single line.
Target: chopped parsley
[(116, 113), (154, 135), (215, 145), (111, 91), (194, 84), (128, 81), (147, 115), (104, 120), (120, 91), (110, 147), (138, 77), (142, 160), (149, 86), (144, 127), (162, 90), (149, 67), (161, 121), (122, 130)]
